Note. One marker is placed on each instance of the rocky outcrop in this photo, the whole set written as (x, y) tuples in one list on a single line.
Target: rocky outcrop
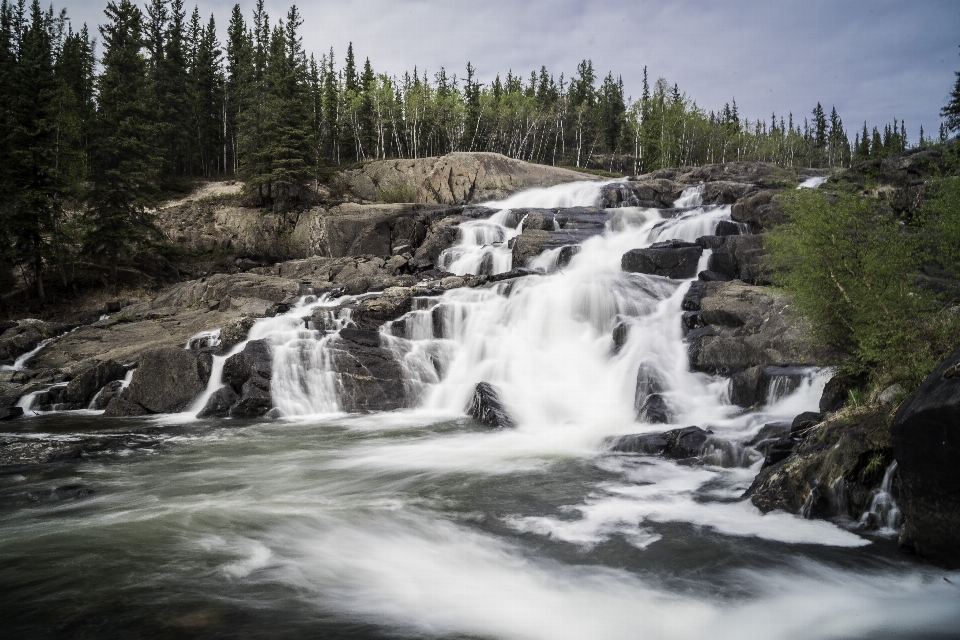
[(167, 380), (753, 386), (456, 178), (830, 469), (671, 259), (926, 445), (486, 407), (86, 384), (529, 244), (23, 336), (743, 326)]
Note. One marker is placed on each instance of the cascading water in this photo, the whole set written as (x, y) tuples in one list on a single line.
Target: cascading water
[(421, 523)]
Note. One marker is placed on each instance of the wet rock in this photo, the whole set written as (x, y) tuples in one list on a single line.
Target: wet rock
[(373, 312), (769, 434), (566, 255), (73, 492), (24, 337), (254, 402), (655, 410), (853, 444), (620, 334), (691, 299), (725, 192), (926, 444), (109, 391), (753, 386), (249, 374), (9, 413), (677, 444), (167, 380), (837, 392), (741, 257), (529, 244), (120, 408), (485, 406), (85, 385), (220, 403), (672, 259), (371, 379), (17, 452), (728, 228)]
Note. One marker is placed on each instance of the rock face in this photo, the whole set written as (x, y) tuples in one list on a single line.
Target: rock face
[(248, 374), (738, 256), (829, 468), (745, 326), (371, 379), (926, 445), (24, 336), (167, 380), (672, 259), (678, 444), (752, 386), (485, 406), (456, 178), (761, 210), (85, 385)]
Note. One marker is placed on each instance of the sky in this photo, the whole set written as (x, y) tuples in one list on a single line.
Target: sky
[(874, 60)]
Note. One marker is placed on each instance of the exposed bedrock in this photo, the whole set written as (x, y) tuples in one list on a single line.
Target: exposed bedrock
[(370, 377), (744, 326), (926, 444), (456, 178)]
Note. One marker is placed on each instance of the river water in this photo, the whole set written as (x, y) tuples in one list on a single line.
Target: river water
[(423, 523)]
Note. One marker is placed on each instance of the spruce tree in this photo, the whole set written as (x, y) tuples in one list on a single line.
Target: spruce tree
[(238, 82), (123, 166), (951, 111)]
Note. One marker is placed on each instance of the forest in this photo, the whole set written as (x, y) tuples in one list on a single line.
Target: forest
[(98, 125)]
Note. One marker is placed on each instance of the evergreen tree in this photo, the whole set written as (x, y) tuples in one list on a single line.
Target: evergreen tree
[(124, 160), (238, 82), (951, 111)]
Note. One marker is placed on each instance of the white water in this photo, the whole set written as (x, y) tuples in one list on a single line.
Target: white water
[(884, 512), (812, 183)]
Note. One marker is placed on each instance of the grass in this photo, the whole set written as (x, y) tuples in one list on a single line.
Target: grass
[(397, 192)]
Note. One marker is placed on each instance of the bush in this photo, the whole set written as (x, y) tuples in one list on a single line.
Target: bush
[(397, 192), (851, 269)]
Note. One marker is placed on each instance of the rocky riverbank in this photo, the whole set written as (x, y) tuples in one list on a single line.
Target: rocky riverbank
[(128, 357)]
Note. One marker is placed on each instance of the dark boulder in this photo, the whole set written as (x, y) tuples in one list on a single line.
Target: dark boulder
[(120, 408), (168, 379), (837, 391), (529, 244), (485, 406), (741, 257), (370, 377), (220, 403), (756, 385), (9, 413), (926, 445), (672, 259), (82, 388), (691, 299), (620, 334), (678, 444), (728, 228), (109, 391), (565, 255), (768, 435), (655, 410), (843, 458), (248, 373)]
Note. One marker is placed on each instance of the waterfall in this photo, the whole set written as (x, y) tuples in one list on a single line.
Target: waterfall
[(883, 514)]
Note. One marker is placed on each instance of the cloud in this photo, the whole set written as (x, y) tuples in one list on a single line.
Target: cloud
[(874, 61)]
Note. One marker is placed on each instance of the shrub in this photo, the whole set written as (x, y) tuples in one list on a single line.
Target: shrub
[(851, 269), (397, 192)]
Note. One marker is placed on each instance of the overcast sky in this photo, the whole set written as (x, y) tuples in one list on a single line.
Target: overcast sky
[(873, 59)]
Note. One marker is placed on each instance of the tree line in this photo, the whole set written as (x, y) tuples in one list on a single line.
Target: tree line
[(89, 145)]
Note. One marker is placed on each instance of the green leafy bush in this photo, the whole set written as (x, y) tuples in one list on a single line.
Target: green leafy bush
[(851, 269)]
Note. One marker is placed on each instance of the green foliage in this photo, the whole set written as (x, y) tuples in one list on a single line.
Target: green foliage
[(397, 192), (942, 215), (851, 269)]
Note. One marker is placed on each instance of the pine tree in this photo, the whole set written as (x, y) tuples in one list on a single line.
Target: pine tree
[(951, 111), (206, 80), (124, 160), (38, 188), (238, 83)]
